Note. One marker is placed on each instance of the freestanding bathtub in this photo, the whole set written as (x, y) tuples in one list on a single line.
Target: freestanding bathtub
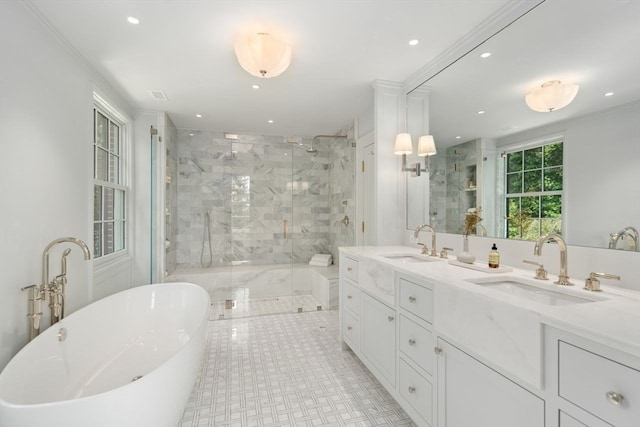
[(130, 359)]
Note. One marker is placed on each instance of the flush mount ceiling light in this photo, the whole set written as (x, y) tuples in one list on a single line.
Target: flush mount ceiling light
[(263, 54), (551, 96)]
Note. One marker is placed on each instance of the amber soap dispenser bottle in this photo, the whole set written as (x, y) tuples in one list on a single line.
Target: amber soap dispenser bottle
[(494, 257)]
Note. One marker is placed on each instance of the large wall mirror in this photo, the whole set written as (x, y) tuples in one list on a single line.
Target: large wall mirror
[(574, 170)]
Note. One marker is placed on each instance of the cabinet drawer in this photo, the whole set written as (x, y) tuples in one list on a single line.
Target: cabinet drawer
[(351, 330), (416, 390), (350, 268), (417, 343), (589, 381), (416, 299), (351, 297)]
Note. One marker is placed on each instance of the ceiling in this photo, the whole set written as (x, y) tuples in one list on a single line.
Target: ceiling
[(185, 49)]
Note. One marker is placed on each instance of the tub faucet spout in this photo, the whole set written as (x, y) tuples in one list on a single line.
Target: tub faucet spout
[(55, 287), (563, 276)]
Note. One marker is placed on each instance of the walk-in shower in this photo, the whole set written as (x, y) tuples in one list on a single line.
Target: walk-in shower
[(247, 224)]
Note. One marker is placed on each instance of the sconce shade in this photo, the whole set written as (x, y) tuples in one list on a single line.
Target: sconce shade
[(426, 146), (551, 96), (263, 55), (403, 144)]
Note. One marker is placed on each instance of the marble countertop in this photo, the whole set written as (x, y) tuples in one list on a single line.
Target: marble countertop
[(613, 319)]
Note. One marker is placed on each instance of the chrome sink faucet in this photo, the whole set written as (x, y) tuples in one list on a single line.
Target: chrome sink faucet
[(563, 276), (434, 252)]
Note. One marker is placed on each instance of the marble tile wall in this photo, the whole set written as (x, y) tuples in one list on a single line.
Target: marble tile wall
[(249, 187)]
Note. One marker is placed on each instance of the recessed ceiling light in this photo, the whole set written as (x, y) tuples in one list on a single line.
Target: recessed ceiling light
[(485, 55), (255, 86), (481, 112), (198, 115), (133, 20), (269, 121), (413, 42), (458, 137), (190, 133), (608, 94)]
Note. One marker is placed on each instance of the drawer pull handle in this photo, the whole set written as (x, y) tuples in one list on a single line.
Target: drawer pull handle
[(412, 299), (437, 350), (349, 328), (614, 398), (390, 318), (349, 297), (412, 342), (412, 389), (349, 269)]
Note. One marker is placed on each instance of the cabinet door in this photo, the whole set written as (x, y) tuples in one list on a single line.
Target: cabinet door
[(472, 394), (378, 335)]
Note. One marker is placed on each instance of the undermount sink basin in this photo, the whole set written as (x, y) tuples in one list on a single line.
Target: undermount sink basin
[(532, 292), (410, 258)]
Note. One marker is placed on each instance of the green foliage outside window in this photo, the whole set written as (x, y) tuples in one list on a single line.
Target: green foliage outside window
[(534, 192)]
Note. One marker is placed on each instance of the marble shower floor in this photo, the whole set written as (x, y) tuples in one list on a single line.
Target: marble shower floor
[(257, 307), (286, 370)]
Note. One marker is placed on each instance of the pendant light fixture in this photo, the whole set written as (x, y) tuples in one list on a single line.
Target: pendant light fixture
[(263, 55)]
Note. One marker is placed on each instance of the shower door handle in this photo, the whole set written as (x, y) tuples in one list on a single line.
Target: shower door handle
[(285, 226)]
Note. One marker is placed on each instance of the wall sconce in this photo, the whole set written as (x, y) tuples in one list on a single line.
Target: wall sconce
[(551, 96), (263, 54), (404, 146)]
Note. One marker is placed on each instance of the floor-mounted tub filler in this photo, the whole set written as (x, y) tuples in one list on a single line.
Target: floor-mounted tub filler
[(130, 359)]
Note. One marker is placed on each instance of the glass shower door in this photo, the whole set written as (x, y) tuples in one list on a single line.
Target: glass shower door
[(261, 227)]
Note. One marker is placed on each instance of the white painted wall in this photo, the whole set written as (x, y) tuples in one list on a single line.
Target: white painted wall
[(46, 188), (389, 118)]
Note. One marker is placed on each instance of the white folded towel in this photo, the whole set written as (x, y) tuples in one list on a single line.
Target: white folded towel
[(321, 260)]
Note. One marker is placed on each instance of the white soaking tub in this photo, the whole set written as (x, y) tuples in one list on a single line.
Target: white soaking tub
[(130, 359)]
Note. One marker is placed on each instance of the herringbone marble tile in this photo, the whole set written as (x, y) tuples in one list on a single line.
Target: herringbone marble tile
[(286, 370)]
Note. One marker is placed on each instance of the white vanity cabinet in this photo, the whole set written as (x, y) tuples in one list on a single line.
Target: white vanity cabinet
[(378, 336), (472, 394), (349, 303), (590, 384), (454, 356)]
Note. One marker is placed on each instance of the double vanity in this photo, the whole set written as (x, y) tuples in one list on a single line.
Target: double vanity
[(468, 346)]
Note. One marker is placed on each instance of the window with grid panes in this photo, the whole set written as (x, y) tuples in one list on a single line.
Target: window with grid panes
[(109, 192), (534, 191)]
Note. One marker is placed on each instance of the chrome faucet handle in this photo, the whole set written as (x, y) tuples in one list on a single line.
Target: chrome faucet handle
[(593, 284), (424, 249), (444, 253), (541, 273)]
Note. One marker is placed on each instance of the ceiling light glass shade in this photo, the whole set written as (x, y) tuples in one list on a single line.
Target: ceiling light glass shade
[(551, 96), (426, 146), (403, 144), (263, 54)]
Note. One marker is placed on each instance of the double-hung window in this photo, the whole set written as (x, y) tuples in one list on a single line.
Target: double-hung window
[(109, 189), (533, 179)]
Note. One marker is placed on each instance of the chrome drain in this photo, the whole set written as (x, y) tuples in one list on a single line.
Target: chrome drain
[(137, 378)]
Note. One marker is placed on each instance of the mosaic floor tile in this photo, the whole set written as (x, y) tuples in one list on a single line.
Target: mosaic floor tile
[(286, 370)]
